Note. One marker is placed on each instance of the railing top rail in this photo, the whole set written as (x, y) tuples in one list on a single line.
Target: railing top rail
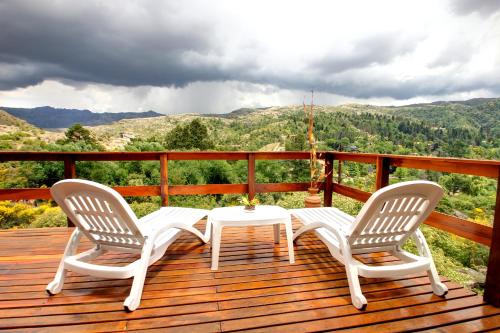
[(132, 156), (487, 168), (39, 155), (373, 156)]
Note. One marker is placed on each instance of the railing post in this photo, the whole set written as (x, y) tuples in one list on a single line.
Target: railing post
[(382, 176), (164, 179), (339, 176), (492, 284), (69, 168), (251, 176), (327, 194), (69, 173)]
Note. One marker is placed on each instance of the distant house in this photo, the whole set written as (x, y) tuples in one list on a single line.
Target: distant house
[(127, 136)]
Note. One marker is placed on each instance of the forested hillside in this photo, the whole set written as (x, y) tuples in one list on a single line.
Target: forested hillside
[(458, 129)]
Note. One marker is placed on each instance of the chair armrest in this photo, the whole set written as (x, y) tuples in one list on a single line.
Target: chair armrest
[(341, 237), (155, 233)]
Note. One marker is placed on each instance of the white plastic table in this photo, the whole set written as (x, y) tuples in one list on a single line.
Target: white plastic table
[(238, 217)]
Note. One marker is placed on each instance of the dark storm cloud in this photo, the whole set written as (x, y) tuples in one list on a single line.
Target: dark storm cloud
[(92, 43), (158, 43)]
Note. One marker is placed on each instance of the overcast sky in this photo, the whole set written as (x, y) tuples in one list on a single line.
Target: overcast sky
[(217, 56)]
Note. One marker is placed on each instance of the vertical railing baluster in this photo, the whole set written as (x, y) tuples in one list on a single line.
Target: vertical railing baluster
[(69, 167), (492, 284), (382, 175), (251, 175), (69, 173), (164, 179), (328, 193), (339, 176)]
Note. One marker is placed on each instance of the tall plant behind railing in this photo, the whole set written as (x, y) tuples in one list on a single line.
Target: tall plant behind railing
[(317, 167)]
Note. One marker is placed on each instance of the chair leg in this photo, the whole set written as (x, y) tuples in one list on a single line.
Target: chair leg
[(134, 298), (217, 231), (438, 287), (289, 240), (56, 285), (358, 299)]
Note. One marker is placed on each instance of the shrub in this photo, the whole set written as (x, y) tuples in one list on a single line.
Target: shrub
[(51, 217), (144, 208), (14, 214)]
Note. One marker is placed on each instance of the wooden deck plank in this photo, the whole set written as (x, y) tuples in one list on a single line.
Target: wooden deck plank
[(254, 289), (481, 324), (431, 321)]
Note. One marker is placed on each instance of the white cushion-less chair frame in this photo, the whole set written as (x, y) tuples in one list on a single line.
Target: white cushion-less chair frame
[(104, 217), (388, 218)]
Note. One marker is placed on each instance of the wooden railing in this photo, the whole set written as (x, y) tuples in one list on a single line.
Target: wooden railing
[(479, 233)]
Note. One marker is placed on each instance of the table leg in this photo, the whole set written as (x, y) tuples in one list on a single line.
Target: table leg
[(289, 239), (276, 233), (217, 232)]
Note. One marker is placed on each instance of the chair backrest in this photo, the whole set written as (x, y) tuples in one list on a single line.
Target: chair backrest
[(393, 213), (100, 212)]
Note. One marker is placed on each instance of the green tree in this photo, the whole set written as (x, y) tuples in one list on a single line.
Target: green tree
[(78, 133), (77, 138), (454, 183), (296, 142), (190, 136)]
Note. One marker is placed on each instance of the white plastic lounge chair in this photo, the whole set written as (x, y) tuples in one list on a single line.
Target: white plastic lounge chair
[(101, 214), (388, 218)]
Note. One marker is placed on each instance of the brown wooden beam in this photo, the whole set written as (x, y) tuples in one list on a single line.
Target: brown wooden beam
[(327, 194), (473, 231), (355, 157), (283, 155), (492, 285), (139, 191), (212, 155), (487, 168), (208, 189), (351, 192), (452, 165), (164, 179), (283, 187), (69, 168), (69, 173), (339, 176), (251, 176), (25, 194), (382, 175)]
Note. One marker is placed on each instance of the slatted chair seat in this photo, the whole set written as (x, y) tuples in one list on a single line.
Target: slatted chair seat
[(104, 217), (385, 222)]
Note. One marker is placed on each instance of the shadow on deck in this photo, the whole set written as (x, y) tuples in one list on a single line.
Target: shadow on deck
[(254, 289)]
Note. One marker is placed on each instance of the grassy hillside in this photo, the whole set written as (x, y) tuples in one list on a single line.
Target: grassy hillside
[(17, 134), (6, 119)]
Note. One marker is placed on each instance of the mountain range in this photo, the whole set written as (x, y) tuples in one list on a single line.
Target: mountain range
[(470, 113), (48, 117)]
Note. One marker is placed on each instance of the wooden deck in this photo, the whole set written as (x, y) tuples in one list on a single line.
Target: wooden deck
[(255, 289)]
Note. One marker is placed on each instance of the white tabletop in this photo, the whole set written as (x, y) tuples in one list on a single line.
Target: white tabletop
[(238, 213)]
